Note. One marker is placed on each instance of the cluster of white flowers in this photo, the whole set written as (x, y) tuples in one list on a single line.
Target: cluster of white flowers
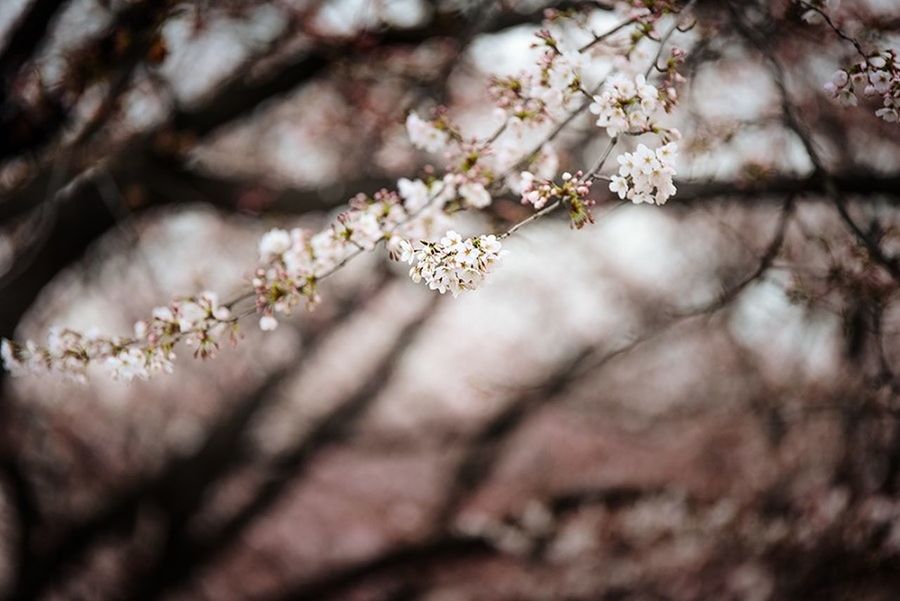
[(199, 322), (548, 89), (66, 353), (424, 204), (416, 194), (452, 264), (292, 262), (131, 364), (645, 176), (557, 78), (429, 136), (474, 194), (626, 104), (878, 75), (193, 320), (513, 98)]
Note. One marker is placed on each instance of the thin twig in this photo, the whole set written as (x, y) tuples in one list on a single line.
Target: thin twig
[(545, 211), (599, 38)]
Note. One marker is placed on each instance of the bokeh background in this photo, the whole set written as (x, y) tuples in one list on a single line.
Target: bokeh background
[(695, 401)]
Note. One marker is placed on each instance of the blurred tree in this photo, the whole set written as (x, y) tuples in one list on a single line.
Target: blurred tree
[(684, 402)]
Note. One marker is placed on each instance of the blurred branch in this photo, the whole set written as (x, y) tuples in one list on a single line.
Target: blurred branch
[(72, 227), (26, 36), (115, 53), (183, 557), (24, 504), (240, 96), (804, 572), (792, 121), (180, 487), (412, 560), (174, 183), (860, 184), (175, 489), (765, 261), (169, 182), (485, 447), (611, 497)]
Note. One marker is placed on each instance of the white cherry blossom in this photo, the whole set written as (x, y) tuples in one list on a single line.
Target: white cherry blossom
[(425, 135), (645, 175), (454, 264)]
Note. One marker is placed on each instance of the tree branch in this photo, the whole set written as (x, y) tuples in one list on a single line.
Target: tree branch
[(27, 34), (182, 556)]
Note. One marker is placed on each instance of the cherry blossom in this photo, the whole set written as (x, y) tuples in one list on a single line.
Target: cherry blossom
[(645, 175), (426, 135), (626, 104), (573, 192), (474, 194), (454, 264), (199, 322), (877, 73)]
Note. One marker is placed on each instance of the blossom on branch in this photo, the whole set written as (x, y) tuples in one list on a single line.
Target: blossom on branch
[(573, 192), (199, 322), (626, 104), (429, 136), (454, 264), (878, 76), (645, 175)]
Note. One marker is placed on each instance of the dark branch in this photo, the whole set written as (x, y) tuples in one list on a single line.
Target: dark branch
[(410, 560), (183, 556), (485, 448), (792, 121), (27, 35)]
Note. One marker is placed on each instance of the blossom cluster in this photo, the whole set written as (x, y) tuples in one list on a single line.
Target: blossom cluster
[(645, 175), (468, 190), (878, 76), (626, 104), (292, 262), (573, 192), (431, 136), (452, 264), (556, 79), (512, 95), (467, 183), (548, 88), (199, 322), (543, 164)]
